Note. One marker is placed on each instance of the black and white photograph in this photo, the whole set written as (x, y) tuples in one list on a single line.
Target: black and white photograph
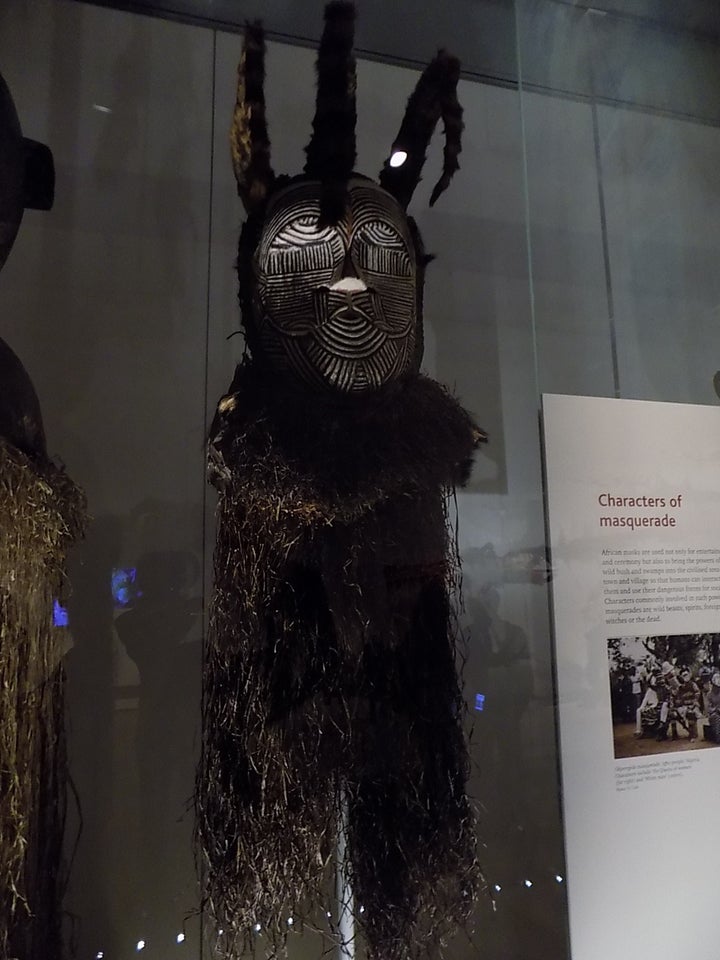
[(664, 693)]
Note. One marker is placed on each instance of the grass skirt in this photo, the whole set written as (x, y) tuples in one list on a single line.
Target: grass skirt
[(330, 678), (41, 513)]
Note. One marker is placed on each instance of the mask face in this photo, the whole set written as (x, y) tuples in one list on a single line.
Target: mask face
[(336, 306)]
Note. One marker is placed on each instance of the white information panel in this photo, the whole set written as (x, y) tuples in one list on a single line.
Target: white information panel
[(633, 495)]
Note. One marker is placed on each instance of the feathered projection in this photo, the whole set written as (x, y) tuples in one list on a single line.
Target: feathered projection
[(332, 711), (41, 513)]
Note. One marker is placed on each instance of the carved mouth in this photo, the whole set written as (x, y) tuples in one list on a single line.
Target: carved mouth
[(355, 374), (348, 345), (351, 334)]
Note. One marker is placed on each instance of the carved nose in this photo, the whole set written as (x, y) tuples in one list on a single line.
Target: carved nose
[(349, 267), (350, 281), (349, 285)]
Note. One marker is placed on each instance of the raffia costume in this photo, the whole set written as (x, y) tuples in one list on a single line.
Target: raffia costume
[(41, 513), (330, 688)]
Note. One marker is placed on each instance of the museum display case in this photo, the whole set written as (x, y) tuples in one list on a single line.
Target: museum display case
[(574, 254)]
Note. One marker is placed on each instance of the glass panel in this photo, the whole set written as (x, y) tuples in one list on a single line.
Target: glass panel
[(104, 299), (662, 207), (621, 138), (570, 293), (136, 262)]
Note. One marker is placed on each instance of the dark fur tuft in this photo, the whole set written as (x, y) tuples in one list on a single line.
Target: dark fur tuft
[(331, 151), (434, 96), (452, 116), (249, 141)]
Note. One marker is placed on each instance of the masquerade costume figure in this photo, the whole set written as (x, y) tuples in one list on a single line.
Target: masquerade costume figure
[(41, 513), (331, 700)]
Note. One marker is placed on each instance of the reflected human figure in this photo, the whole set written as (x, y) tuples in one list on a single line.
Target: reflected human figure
[(501, 650), (90, 705), (155, 632)]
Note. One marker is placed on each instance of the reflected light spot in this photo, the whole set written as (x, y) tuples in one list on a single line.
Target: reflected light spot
[(329, 915), (398, 158), (498, 888), (362, 909), (179, 938), (528, 883), (140, 945), (558, 878), (257, 928), (99, 955), (101, 109), (290, 921)]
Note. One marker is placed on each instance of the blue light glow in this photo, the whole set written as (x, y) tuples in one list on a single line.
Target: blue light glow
[(123, 586), (60, 615), (480, 702)]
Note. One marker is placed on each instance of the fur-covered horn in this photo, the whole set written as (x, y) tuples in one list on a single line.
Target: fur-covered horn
[(434, 96), (249, 142), (331, 151)]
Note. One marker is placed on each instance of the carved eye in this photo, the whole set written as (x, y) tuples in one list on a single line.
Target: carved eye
[(303, 232), (381, 250), (377, 233)]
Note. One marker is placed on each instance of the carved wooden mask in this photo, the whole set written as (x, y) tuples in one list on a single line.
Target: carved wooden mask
[(336, 304)]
